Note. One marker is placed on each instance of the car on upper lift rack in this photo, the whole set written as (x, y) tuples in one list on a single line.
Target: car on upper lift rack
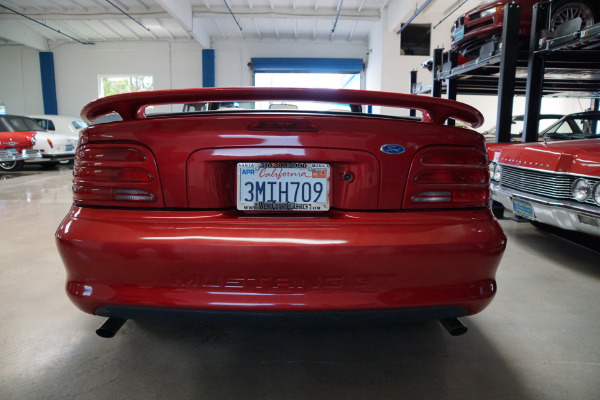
[(484, 23)]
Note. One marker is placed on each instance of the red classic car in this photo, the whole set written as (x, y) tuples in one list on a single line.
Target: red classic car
[(484, 23), (16, 147), (554, 183), (268, 212)]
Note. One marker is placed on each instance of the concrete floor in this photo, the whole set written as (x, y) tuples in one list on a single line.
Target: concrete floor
[(540, 338)]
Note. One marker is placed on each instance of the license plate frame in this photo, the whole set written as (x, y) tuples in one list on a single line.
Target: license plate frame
[(283, 186), (523, 208)]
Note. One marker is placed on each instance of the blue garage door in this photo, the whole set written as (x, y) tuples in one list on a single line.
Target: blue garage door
[(322, 65)]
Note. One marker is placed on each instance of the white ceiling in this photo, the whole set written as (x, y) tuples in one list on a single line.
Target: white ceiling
[(92, 21)]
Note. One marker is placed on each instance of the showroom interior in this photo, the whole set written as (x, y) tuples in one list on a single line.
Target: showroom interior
[(538, 339)]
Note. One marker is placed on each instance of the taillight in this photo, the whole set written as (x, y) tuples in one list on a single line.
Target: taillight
[(118, 175), (448, 177), (50, 143)]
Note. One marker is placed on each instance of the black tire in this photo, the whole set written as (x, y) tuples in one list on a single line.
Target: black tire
[(565, 10), (497, 210), (49, 165), (11, 165)]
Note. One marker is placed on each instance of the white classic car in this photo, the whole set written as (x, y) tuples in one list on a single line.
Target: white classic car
[(59, 140)]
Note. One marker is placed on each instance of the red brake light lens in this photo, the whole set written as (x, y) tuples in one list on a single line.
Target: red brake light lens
[(116, 175), (451, 176), (111, 153), (453, 156), (448, 177), (106, 174)]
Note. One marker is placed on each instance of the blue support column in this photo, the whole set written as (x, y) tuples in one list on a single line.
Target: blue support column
[(48, 83), (208, 68)]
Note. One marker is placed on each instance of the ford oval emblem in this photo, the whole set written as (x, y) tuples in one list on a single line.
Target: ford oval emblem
[(393, 149)]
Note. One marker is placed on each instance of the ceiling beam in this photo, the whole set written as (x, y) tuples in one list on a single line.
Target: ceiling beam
[(181, 11), (300, 13), (400, 11), (203, 12), (19, 32)]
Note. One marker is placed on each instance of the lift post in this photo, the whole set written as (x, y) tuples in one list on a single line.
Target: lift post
[(436, 88), (535, 75), (508, 66)]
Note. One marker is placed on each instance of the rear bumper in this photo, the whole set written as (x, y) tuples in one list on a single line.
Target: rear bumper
[(52, 157), (26, 154), (192, 260), (7, 156), (284, 318)]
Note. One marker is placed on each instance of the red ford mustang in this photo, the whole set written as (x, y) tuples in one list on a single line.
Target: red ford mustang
[(256, 210)]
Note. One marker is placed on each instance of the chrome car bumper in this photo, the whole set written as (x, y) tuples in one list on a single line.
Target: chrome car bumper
[(568, 215), (7, 156), (51, 157)]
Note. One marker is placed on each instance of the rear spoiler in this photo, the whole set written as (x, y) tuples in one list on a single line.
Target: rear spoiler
[(131, 106)]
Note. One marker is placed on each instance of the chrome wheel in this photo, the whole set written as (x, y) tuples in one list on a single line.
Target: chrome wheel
[(11, 165), (569, 11)]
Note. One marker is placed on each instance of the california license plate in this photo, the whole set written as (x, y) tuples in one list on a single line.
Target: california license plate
[(523, 208), (283, 186), (12, 151)]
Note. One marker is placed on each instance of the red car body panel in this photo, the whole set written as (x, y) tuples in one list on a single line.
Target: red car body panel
[(223, 260), (537, 181), (481, 29), (578, 157), (185, 245)]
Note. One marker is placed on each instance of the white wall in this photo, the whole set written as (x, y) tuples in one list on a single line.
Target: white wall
[(20, 80), (77, 67), (172, 65)]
